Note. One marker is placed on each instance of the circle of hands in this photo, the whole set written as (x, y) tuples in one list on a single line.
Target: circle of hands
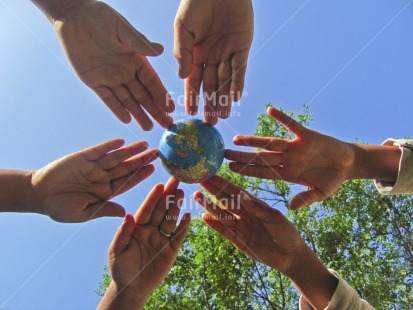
[(110, 56), (78, 187)]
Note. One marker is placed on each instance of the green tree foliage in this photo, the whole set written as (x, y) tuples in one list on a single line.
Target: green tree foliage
[(105, 282), (211, 274), (365, 236)]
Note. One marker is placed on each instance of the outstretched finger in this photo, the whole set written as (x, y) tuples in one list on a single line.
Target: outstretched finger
[(224, 99), (270, 144), (239, 68), (180, 232), (143, 89), (192, 89), (122, 185), (226, 217), (153, 84), (97, 151), (126, 97), (225, 192), (113, 103), (217, 193), (259, 208), (168, 223), (146, 100), (144, 213), (266, 159), (288, 122), (210, 114), (224, 185), (140, 95), (183, 49), (171, 186), (168, 198), (222, 229), (210, 86), (160, 116), (261, 172), (112, 159), (133, 164)]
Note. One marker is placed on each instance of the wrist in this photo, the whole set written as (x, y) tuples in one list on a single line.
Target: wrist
[(122, 297), (33, 197), (56, 10), (312, 278), (380, 162), (16, 193)]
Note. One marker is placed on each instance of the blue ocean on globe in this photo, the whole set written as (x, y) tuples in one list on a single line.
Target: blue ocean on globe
[(192, 150)]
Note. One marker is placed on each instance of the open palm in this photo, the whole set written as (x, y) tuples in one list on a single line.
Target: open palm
[(109, 56), (256, 229), (311, 159), (212, 42), (140, 257), (77, 187)]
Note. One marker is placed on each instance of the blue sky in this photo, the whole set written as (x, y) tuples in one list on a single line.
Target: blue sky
[(350, 60)]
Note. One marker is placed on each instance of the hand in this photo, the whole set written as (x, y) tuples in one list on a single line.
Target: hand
[(77, 187), (264, 234), (109, 56), (320, 162), (212, 42), (140, 256), (254, 228)]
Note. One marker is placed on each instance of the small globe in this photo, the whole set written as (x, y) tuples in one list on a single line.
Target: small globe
[(192, 150)]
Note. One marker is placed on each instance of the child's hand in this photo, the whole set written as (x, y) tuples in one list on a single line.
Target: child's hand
[(77, 187)]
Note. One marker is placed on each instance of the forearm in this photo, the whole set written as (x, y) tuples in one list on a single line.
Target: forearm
[(116, 298), (312, 278), (380, 162), (15, 191), (56, 9)]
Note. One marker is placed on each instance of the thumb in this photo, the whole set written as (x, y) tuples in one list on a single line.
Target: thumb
[(181, 230), (101, 209), (122, 237), (306, 198), (137, 42)]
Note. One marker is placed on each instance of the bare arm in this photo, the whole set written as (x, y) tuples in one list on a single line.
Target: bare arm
[(380, 162), (15, 191), (54, 10)]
